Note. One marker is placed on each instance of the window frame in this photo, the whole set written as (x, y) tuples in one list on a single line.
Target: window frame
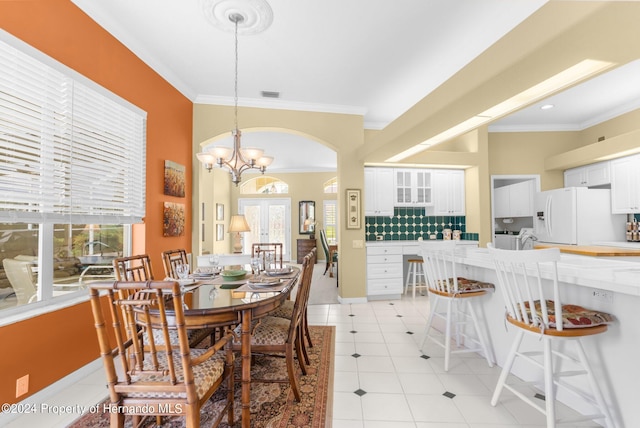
[(71, 213)]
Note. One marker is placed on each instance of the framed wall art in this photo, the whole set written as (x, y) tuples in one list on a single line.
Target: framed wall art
[(353, 208), (174, 219), (219, 232), (219, 212), (174, 181)]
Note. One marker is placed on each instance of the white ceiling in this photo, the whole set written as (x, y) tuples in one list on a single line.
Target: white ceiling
[(376, 58)]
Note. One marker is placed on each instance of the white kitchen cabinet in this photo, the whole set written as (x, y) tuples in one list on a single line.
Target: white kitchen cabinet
[(514, 200), (384, 271), (378, 191), (386, 267), (412, 187), (521, 199), (596, 174), (448, 192), (625, 185), (501, 204)]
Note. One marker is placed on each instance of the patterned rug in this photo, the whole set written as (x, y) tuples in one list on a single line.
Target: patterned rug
[(272, 404)]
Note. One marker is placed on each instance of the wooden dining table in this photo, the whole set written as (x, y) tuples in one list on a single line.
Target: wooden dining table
[(220, 303)]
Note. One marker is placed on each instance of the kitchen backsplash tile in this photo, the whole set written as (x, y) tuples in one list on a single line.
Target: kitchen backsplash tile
[(409, 224)]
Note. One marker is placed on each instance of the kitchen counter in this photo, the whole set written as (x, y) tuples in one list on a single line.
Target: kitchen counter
[(413, 245), (612, 354), (594, 250), (610, 274)]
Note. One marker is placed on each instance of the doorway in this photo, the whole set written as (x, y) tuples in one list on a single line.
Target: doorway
[(269, 221), (512, 207)]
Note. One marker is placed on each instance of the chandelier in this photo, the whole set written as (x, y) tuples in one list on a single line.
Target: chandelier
[(238, 159)]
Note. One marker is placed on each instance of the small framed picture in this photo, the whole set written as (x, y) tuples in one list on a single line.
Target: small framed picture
[(174, 181), (353, 208), (219, 212), (174, 219), (219, 232)]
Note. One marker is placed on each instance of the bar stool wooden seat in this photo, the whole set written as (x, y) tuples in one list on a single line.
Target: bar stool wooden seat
[(460, 295), (553, 326), (415, 276)]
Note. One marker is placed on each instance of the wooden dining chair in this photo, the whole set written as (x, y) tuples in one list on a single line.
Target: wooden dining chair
[(273, 334), (285, 310), (147, 377), (540, 313), (460, 296), (331, 255), (138, 268), (263, 249), (133, 268), (172, 258)]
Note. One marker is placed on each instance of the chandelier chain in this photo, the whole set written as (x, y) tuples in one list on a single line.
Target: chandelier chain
[(235, 97), (236, 160)]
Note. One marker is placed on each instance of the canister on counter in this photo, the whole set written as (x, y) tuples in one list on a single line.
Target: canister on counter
[(457, 235), (446, 234)]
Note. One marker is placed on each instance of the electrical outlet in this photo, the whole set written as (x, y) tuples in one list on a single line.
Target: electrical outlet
[(357, 243), (603, 295), (22, 385)]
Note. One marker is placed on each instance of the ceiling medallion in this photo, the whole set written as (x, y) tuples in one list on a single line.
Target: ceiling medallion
[(257, 15)]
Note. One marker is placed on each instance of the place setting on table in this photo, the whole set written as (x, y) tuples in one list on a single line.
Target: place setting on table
[(205, 283)]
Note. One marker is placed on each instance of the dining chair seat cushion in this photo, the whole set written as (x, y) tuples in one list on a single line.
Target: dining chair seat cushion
[(574, 316), (470, 285), (284, 311), (205, 374), (268, 331), (194, 336)]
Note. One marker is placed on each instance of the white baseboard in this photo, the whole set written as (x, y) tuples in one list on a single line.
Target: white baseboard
[(349, 300)]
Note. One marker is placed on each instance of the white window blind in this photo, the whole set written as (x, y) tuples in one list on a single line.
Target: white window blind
[(68, 153)]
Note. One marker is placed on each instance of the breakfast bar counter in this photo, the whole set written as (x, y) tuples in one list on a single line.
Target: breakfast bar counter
[(598, 283), (594, 250)]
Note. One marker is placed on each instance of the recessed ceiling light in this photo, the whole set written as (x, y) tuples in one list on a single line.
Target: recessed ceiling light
[(547, 107)]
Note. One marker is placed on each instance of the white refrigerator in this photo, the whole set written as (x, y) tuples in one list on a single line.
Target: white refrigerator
[(576, 216)]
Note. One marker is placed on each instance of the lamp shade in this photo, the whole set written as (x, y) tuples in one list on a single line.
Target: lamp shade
[(252, 153), (206, 158), (264, 161), (238, 224), (221, 152)]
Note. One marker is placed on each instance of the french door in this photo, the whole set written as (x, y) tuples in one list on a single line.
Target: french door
[(269, 221)]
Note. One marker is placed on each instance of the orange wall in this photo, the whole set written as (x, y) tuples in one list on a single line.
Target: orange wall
[(46, 347)]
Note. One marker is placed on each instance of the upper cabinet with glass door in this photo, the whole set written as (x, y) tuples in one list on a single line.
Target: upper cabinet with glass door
[(412, 187)]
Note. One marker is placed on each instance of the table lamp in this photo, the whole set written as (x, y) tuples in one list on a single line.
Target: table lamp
[(238, 224)]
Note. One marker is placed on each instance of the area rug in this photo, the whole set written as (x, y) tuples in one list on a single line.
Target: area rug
[(272, 404)]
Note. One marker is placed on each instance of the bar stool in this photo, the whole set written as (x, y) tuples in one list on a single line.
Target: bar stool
[(415, 275), (460, 296), (520, 278)]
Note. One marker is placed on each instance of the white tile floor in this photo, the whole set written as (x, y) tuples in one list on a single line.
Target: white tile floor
[(381, 377), (383, 380)]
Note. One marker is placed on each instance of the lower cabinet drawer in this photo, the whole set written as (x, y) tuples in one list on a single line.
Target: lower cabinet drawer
[(384, 286), (386, 258), (384, 270)]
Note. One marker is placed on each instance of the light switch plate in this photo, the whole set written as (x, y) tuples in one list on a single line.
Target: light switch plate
[(357, 243)]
